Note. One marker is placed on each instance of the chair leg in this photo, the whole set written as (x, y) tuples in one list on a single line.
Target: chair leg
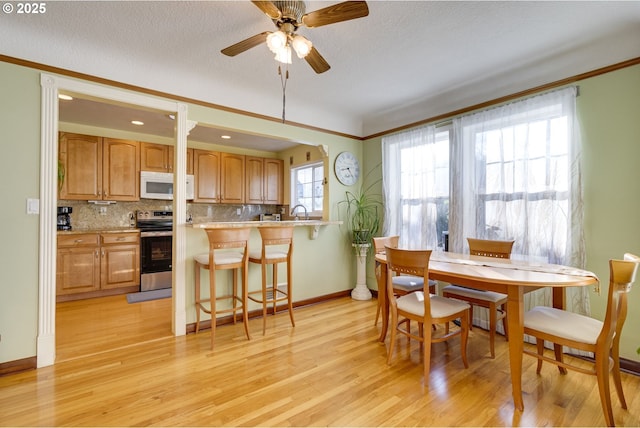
[(493, 320), (426, 353), (245, 301), (290, 293), (264, 299), (197, 287), (392, 337), (470, 316), (504, 322), (602, 373), (212, 298), (234, 276), (274, 287), (557, 349), (465, 326), (616, 375), (378, 310), (540, 348)]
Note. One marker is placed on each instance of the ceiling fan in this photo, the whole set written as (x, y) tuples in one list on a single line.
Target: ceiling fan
[(288, 16)]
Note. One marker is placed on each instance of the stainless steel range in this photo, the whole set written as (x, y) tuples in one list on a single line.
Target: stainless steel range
[(156, 241)]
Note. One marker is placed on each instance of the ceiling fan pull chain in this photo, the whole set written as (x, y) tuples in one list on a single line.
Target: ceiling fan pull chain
[(283, 81)]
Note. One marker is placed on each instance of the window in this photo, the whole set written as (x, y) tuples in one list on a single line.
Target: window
[(517, 177), (416, 177), (307, 187), (513, 174)]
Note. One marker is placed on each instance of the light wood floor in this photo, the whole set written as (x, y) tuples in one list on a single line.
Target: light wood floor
[(327, 371)]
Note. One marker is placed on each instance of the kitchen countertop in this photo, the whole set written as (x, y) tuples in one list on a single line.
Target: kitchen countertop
[(99, 230), (313, 225)]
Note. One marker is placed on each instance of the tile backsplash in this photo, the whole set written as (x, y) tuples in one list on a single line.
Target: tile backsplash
[(92, 216)]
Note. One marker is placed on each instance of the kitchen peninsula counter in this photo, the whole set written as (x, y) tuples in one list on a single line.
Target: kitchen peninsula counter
[(99, 230), (313, 225)]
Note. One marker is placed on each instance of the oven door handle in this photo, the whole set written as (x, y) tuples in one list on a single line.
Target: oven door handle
[(156, 233)]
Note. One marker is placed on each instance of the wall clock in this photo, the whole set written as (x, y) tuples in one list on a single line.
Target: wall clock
[(347, 168)]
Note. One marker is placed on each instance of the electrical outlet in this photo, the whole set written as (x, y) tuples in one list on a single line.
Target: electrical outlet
[(103, 210), (239, 211)]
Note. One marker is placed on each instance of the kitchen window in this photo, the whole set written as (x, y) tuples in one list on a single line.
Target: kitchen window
[(307, 187)]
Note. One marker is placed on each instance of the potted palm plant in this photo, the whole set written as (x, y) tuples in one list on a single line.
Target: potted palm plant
[(362, 211)]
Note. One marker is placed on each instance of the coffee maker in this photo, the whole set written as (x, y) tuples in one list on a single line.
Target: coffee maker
[(64, 218)]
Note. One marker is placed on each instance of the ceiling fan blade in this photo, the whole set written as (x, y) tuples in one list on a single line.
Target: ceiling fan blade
[(316, 61), (244, 45), (337, 13), (270, 9)]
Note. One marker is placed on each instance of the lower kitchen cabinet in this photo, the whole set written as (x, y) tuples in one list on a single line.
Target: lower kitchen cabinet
[(97, 264)]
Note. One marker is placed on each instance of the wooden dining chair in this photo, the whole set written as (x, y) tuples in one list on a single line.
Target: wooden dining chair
[(602, 338), (496, 303), (402, 284), (422, 307)]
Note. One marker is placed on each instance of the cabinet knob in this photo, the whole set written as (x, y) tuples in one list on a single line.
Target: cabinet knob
[(77, 241)]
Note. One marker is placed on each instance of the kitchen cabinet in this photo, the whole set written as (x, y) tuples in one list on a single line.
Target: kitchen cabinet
[(97, 168), (159, 158), (206, 171), (264, 180), (96, 264), (232, 178)]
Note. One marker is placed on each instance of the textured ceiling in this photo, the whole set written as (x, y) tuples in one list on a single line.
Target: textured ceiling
[(405, 62)]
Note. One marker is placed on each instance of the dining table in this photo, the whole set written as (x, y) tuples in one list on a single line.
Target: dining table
[(514, 277)]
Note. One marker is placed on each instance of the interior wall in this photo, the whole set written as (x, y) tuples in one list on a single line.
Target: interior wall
[(19, 180)]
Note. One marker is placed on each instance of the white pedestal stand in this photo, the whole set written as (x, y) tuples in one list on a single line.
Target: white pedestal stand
[(361, 292)]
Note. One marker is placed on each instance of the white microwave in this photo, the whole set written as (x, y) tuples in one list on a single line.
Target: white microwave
[(159, 185)]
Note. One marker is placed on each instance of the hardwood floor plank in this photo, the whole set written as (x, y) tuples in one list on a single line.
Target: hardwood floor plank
[(327, 371)]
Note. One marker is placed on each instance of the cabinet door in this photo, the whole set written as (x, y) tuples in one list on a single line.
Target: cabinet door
[(78, 263), (273, 181), (232, 178), (80, 163), (254, 171), (121, 170), (155, 157), (206, 169), (120, 266)]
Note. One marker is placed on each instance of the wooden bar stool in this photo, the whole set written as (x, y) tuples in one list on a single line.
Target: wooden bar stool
[(277, 247), (228, 250)]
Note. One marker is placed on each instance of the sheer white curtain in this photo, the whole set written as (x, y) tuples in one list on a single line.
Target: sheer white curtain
[(516, 175), (415, 168)]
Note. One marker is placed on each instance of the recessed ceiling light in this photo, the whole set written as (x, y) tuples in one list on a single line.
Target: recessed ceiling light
[(65, 97), (225, 137), (137, 122)]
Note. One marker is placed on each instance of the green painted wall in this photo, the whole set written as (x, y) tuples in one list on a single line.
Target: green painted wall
[(19, 180)]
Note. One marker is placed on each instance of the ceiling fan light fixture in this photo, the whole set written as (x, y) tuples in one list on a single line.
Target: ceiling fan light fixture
[(283, 55), (276, 41), (301, 45)]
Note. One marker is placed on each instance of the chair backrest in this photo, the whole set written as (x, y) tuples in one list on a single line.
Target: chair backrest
[(385, 241), (622, 274), (276, 235), (490, 248), (228, 238), (408, 262)]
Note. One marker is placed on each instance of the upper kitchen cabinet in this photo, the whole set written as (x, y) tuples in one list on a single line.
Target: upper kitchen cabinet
[(156, 157), (231, 178), (264, 180), (159, 158), (96, 168), (206, 169)]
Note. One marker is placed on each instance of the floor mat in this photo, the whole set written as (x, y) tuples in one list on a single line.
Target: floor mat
[(145, 296)]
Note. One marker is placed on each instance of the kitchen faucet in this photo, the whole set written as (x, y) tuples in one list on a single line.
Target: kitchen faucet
[(306, 214)]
